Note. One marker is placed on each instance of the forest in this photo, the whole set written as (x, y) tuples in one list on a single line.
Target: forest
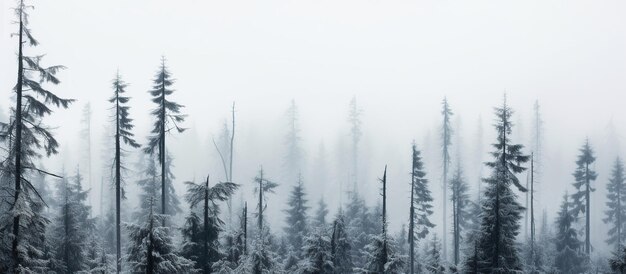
[(102, 191)]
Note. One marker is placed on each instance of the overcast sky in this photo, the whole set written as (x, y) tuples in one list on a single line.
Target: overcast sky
[(399, 58)]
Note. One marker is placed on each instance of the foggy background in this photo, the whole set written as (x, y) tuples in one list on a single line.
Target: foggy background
[(399, 58)]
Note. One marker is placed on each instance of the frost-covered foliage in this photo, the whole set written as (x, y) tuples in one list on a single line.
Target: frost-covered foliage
[(72, 227), (616, 199), (297, 223), (150, 185), (568, 258), (321, 213), (421, 207), (581, 199), (382, 257), (167, 117), (501, 211), (340, 247), (25, 135), (461, 217), (432, 257), (151, 250), (317, 254), (361, 223), (200, 235), (261, 259)]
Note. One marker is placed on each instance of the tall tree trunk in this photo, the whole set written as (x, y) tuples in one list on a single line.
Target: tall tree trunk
[(587, 213), (18, 143), (412, 219), (384, 262), (532, 211), (245, 228), (162, 147), (150, 264), (207, 268), (260, 224), (118, 181), (445, 198)]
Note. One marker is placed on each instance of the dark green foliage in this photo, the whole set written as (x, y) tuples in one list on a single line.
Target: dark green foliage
[(568, 258)]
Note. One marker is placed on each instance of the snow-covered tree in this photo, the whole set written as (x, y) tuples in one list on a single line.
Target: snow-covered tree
[(26, 136), (123, 127), (616, 213), (340, 246), (293, 155), (317, 254), (381, 254), (150, 248), (297, 223), (460, 210), (582, 197), (354, 118), (501, 212), (200, 242), (433, 262), (321, 213), (568, 258), (167, 118), (421, 206), (149, 183), (72, 227)]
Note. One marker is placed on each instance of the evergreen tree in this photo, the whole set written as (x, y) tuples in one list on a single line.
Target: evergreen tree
[(582, 197), (446, 142), (151, 249), (616, 213), (501, 212), (381, 254), (167, 117), (321, 213), (26, 135), (340, 246), (264, 186), (421, 206), (123, 127), (201, 241), (318, 257), (297, 224), (151, 187), (72, 228), (85, 133), (568, 259), (618, 261), (293, 157), (433, 261), (460, 212)]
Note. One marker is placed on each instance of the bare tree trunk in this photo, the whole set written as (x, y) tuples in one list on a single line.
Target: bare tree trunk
[(118, 194), (18, 143)]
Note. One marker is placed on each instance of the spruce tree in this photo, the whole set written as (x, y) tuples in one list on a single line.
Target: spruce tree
[(317, 254), (582, 197), (26, 136), (460, 211), (293, 156), (321, 213), (167, 118), (421, 206), (354, 118), (432, 252), (123, 127), (446, 142), (151, 249), (616, 199), (501, 212), (568, 259), (72, 227), (340, 246), (297, 223), (149, 183), (205, 237)]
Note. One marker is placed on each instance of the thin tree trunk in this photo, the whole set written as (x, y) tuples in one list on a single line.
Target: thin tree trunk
[(162, 146), (206, 267), (245, 228), (384, 262), (18, 143), (532, 211), (118, 194), (412, 218), (587, 213)]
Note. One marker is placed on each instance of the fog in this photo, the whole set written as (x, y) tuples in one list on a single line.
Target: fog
[(399, 59)]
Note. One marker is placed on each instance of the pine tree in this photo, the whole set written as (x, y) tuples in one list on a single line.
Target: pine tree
[(568, 259), (433, 261), (618, 261), (202, 241), (297, 224), (446, 142), (460, 213), (501, 213), (581, 198), (123, 127), (317, 254), (264, 186), (86, 136), (321, 213), (151, 249), (72, 227), (25, 136), (340, 246), (151, 187), (421, 206), (381, 254), (616, 213), (293, 157), (167, 117)]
